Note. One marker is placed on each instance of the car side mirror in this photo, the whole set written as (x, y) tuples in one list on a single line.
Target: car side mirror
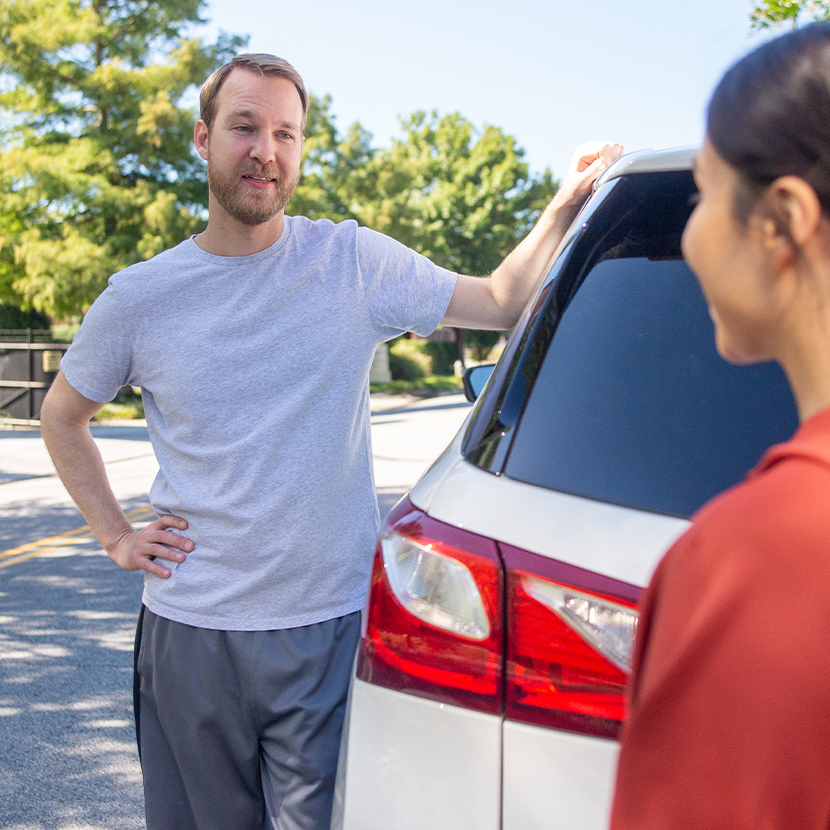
[(475, 379)]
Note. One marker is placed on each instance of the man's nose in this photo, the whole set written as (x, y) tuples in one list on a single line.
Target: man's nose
[(264, 148)]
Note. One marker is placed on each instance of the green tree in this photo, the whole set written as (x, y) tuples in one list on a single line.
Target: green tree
[(333, 176), (462, 197), (97, 169), (771, 13)]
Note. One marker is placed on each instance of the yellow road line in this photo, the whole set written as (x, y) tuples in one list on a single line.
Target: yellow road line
[(136, 514), (23, 557), (41, 542), (41, 546)]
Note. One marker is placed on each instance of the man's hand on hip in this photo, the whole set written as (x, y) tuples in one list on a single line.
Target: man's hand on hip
[(140, 549)]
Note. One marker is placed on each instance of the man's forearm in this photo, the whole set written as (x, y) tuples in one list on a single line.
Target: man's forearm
[(497, 301), (514, 281), (64, 423), (81, 469)]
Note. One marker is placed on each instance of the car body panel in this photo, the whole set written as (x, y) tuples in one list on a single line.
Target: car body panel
[(416, 764), (580, 793)]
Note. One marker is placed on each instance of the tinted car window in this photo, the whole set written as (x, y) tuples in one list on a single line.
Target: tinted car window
[(633, 405)]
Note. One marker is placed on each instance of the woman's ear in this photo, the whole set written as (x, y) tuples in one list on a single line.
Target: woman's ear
[(795, 209)]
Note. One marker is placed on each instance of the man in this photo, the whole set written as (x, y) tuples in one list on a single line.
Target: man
[(257, 567)]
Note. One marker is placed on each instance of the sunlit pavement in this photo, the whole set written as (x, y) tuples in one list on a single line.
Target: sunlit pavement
[(67, 619), (67, 751)]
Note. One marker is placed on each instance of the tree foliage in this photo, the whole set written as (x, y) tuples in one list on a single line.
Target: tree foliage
[(12, 317), (333, 181), (97, 168), (771, 13), (461, 197)]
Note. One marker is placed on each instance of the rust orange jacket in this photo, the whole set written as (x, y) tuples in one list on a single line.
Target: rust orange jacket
[(729, 699)]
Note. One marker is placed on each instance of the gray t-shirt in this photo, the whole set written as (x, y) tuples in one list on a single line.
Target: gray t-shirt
[(254, 373)]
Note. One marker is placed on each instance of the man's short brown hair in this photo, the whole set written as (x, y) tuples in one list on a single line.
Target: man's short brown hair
[(263, 64)]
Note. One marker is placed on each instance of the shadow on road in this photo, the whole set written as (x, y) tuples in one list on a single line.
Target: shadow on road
[(23, 523), (67, 624), (67, 746), (123, 432)]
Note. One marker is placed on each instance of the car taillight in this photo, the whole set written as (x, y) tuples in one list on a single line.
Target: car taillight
[(568, 647), (435, 625), (434, 617)]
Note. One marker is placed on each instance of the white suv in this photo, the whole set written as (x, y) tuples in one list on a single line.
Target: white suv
[(498, 632)]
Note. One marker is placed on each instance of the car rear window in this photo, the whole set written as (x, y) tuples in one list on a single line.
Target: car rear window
[(632, 404)]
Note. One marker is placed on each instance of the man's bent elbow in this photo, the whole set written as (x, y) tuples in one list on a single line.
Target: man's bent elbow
[(64, 407), (49, 414)]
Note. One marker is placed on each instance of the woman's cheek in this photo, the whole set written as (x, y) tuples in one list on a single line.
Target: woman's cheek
[(689, 241)]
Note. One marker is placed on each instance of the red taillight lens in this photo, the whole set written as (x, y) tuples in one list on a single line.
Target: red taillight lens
[(434, 627), (434, 617), (567, 647)]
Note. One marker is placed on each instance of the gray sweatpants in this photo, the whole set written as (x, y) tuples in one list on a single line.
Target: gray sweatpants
[(240, 730)]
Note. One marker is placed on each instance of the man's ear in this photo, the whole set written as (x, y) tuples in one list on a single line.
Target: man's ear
[(200, 138)]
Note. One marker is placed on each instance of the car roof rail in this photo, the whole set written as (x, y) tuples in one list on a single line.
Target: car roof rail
[(650, 161)]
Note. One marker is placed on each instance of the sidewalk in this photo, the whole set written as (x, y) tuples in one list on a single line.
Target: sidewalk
[(383, 402)]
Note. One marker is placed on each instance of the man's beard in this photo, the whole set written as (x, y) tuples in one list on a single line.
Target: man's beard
[(254, 207)]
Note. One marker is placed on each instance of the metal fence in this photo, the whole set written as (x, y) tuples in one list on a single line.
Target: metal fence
[(29, 361)]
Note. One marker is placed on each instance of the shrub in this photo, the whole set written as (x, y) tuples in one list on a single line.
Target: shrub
[(12, 317), (126, 406), (403, 367), (481, 343), (443, 355), (64, 332), (408, 360), (426, 387)]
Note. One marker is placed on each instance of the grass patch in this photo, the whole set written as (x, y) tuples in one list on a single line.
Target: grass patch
[(429, 385), (64, 332), (126, 406)]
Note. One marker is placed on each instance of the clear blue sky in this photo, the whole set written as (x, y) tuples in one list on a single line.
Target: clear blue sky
[(553, 74)]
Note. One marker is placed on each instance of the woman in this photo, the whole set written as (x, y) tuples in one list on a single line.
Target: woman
[(729, 719)]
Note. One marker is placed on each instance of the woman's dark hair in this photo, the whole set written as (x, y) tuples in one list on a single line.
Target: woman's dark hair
[(770, 115)]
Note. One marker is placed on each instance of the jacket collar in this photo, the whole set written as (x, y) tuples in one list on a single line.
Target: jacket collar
[(810, 441)]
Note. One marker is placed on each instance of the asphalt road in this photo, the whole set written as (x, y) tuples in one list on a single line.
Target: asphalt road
[(67, 621)]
